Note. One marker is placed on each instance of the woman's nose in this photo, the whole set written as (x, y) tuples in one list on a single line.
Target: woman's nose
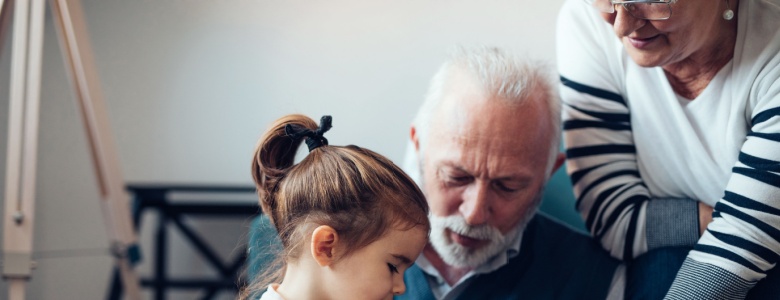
[(624, 23)]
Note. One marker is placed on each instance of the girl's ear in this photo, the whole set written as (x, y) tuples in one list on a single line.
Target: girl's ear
[(323, 243)]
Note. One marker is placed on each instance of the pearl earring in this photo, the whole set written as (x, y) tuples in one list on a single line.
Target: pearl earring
[(728, 14)]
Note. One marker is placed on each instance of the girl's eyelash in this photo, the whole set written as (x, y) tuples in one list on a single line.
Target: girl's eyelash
[(393, 268)]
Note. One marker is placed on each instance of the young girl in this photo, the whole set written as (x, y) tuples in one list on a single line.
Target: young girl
[(349, 220)]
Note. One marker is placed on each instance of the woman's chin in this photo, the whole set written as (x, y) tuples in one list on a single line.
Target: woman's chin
[(646, 59), (648, 53)]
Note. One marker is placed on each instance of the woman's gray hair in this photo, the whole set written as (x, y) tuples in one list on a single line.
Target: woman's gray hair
[(500, 75)]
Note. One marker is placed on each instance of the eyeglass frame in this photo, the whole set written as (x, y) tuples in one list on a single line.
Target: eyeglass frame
[(629, 2)]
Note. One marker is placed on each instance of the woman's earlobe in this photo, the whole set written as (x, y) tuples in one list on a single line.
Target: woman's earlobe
[(323, 245)]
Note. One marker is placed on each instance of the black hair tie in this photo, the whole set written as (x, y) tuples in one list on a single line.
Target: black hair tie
[(314, 139)]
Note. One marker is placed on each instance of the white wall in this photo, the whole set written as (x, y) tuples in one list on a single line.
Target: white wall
[(192, 84)]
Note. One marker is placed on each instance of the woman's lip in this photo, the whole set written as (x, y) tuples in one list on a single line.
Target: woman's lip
[(641, 43)]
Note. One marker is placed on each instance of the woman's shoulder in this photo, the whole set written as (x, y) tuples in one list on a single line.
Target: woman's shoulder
[(759, 29), (587, 50), (757, 54), (578, 12)]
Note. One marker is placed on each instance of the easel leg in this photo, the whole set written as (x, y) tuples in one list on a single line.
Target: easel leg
[(16, 289), (115, 203), (22, 144), (6, 7), (27, 49)]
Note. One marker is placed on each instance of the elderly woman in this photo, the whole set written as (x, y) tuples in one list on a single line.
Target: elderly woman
[(672, 108)]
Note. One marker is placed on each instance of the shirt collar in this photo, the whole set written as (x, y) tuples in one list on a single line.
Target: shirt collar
[(492, 264)]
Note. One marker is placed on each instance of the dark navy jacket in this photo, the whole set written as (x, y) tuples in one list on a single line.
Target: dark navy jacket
[(554, 262)]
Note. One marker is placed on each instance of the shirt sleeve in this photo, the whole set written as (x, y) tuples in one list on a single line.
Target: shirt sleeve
[(743, 241), (601, 157)]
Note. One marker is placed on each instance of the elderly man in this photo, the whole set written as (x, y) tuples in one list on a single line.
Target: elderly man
[(486, 141)]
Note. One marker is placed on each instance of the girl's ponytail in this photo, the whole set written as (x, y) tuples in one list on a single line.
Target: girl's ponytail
[(274, 155)]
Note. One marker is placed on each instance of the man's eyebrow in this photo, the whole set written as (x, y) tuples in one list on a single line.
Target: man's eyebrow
[(453, 165), (516, 177), (405, 260), (512, 176)]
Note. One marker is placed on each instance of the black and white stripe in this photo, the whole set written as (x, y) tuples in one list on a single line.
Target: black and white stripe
[(745, 234), (610, 193), (704, 281)]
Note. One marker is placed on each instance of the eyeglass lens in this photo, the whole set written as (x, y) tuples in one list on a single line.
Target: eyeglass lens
[(649, 11), (640, 10)]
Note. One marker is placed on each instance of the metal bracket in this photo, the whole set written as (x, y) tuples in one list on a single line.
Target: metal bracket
[(132, 252), (17, 265)]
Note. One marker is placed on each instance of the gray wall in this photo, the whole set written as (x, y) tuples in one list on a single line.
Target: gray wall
[(191, 85)]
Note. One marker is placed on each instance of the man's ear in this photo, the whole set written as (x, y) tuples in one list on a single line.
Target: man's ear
[(413, 135), (323, 242), (559, 160)]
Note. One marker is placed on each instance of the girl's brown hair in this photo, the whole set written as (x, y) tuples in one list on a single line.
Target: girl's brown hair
[(357, 192)]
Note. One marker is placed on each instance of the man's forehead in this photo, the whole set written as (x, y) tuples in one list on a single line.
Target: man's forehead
[(488, 149), (473, 117), (497, 172), (479, 132)]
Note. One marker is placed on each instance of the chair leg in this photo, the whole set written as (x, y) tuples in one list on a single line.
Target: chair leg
[(115, 293)]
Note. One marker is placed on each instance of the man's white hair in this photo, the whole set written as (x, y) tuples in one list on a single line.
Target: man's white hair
[(502, 76)]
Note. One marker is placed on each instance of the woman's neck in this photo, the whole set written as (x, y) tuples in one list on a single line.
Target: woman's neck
[(690, 81), (690, 76)]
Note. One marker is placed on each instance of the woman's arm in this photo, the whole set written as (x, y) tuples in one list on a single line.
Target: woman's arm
[(705, 217), (743, 241), (601, 158)]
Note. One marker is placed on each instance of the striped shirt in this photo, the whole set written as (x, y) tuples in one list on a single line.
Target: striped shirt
[(640, 157)]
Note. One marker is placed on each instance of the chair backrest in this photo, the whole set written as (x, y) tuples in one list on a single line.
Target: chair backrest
[(559, 201), (262, 247)]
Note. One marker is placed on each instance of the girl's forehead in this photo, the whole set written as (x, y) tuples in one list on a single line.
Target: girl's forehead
[(402, 241)]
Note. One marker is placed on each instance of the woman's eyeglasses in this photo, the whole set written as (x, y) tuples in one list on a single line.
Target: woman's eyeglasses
[(640, 9)]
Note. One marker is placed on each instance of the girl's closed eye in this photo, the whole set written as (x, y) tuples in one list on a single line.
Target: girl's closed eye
[(393, 268)]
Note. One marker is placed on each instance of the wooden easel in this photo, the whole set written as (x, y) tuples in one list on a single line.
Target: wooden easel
[(26, 55)]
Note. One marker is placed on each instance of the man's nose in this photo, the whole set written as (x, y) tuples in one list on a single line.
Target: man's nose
[(476, 206), (624, 23)]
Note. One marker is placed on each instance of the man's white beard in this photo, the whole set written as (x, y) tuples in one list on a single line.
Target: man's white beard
[(459, 256)]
